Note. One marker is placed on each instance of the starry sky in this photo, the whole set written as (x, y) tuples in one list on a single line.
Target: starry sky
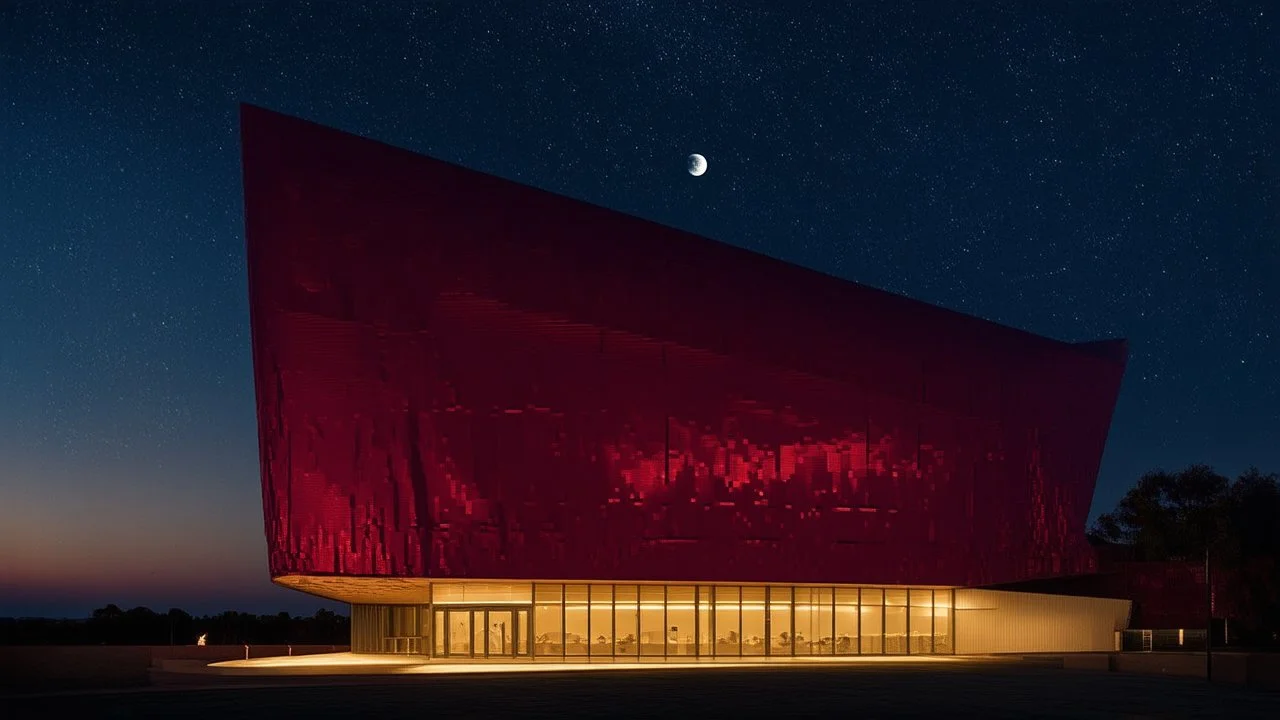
[(1079, 170)]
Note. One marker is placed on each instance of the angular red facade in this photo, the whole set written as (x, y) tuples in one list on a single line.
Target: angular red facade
[(462, 377)]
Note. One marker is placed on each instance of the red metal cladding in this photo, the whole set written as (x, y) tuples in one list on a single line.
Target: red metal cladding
[(462, 377)]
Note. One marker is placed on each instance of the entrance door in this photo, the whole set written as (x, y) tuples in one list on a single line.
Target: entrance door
[(459, 639), (483, 632), (502, 626)]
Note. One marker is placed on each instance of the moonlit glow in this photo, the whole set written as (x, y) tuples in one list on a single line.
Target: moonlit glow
[(697, 165)]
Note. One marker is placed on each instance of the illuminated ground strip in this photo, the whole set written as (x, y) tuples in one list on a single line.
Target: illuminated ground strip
[(354, 664)]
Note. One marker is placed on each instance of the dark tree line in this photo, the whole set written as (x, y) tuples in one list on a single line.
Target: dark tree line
[(1179, 516), (141, 626)]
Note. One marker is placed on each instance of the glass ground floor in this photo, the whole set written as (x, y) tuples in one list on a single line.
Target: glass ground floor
[(588, 621)]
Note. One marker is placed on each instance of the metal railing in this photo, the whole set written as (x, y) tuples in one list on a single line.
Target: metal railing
[(404, 645), (1182, 640)]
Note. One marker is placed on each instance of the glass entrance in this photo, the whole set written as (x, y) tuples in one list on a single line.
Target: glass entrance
[(483, 632)]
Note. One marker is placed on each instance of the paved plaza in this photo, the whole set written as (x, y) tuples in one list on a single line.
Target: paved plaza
[(875, 690)]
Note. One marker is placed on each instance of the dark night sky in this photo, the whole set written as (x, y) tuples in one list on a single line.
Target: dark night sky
[(1077, 170)]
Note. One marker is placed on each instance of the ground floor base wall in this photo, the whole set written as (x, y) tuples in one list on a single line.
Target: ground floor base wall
[(995, 621), (589, 621), (611, 621)]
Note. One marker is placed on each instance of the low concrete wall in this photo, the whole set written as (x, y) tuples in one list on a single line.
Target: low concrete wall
[(1254, 670), (38, 668), (1156, 663), (1229, 668)]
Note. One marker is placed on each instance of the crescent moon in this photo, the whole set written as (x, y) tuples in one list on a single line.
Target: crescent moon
[(697, 165)]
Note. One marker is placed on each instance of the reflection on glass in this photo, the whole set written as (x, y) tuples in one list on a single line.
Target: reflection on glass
[(548, 615), (942, 617), (895, 621), (813, 621), (680, 620), (502, 626), (754, 636), (728, 621), (920, 622), (804, 621), (846, 621), (823, 600), (460, 633), (424, 629), (522, 632), (601, 620), (626, 618), (439, 633), (577, 621), (780, 621), (872, 613), (479, 635), (652, 632), (706, 630)]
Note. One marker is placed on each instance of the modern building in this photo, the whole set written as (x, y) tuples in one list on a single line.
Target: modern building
[(502, 423)]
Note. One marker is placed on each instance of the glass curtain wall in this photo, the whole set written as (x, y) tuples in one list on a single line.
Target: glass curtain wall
[(590, 621), (895, 621), (682, 622), (871, 617)]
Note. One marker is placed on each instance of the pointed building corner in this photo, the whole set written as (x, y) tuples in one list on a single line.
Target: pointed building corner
[(1116, 350)]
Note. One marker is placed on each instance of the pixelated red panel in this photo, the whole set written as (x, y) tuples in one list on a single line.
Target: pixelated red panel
[(460, 376)]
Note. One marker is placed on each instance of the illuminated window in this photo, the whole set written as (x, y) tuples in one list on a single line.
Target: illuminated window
[(920, 622), (438, 633), (482, 593), (813, 621), (872, 613), (548, 620), (942, 622), (895, 621), (754, 636), (577, 620), (626, 619), (652, 610), (680, 621), (780, 620), (655, 621), (706, 621), (601, 620), (846, 621), (728, 620)]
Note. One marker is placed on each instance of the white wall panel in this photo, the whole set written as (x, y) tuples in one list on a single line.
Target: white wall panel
[(995, 621)]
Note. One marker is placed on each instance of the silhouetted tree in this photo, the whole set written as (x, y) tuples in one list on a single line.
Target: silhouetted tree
[(140, 626), (1177, 516), (1168, 516), (180, 627), (1251, 547)]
